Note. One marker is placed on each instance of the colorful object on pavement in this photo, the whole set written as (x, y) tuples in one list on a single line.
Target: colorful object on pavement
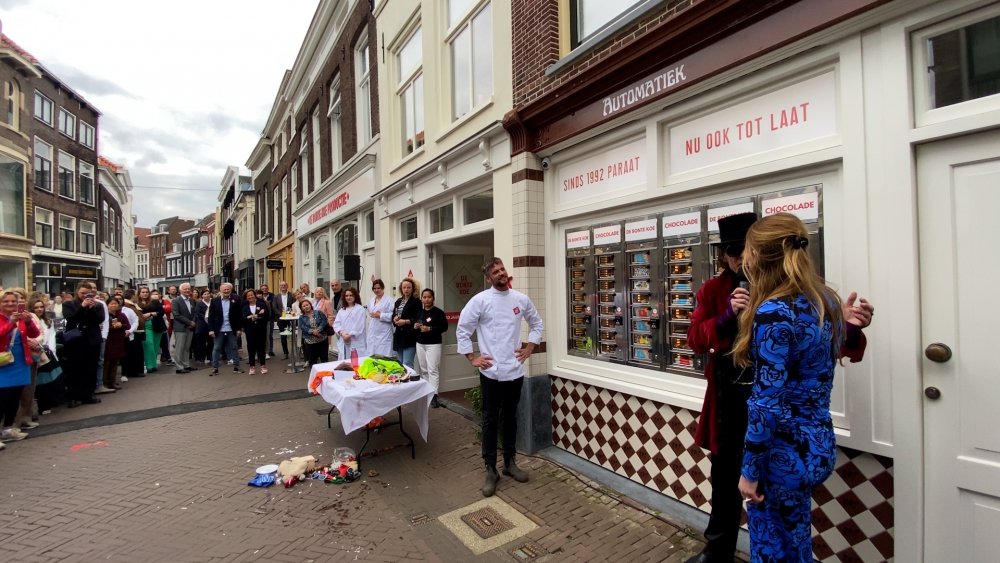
[(262, 480), (267, 469), (87, 445)]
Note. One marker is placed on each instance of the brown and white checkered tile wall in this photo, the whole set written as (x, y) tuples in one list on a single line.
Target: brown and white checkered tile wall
[(653, 444)]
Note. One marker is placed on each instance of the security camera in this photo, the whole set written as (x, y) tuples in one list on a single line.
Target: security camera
[(546, 163)]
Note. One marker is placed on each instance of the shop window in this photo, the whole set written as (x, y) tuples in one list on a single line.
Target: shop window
[(43, 166), (411, 92), (43, 227), (11, 197), (362, 71), (86, 135), (88, 237), (472, 63), (67, 123), (408, 229), (43, 108), (587, 17), (66, 165), (67, 233), (964, 64), (13, 97), (334, 114), (86, 183), (478, 207), (442, 218), (322, 246), (370, 226), (347, 243), (12, 273)]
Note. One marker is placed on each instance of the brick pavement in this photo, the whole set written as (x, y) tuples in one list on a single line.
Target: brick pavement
[(174, 489)]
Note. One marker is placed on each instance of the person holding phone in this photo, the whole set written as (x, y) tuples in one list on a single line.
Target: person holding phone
[(16, 329), (82, 344), (431, 323)]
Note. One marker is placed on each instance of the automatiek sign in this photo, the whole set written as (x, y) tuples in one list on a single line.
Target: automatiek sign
[(608, 235), (578, 239), (804, 206), (607, 172), (791, 116), (719, 212), (640, 230)]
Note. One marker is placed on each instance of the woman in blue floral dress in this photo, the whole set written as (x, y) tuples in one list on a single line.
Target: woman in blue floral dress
[(793, 341)]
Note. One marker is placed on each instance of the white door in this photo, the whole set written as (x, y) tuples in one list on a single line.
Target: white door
[(958, 197), (460, 277), (409, 267)]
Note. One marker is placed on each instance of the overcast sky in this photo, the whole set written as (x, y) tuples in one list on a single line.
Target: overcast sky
[(184, 87)]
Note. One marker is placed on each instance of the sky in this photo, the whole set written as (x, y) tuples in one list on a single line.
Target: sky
[(184, 87)]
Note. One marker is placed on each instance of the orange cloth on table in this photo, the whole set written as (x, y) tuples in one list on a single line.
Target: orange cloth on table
[(318, 380)]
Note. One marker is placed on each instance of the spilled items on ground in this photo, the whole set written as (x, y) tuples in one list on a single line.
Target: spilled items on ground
[(344, 469)]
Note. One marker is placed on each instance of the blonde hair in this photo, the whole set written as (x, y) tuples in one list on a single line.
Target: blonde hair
[(413, 284), (778, 265)]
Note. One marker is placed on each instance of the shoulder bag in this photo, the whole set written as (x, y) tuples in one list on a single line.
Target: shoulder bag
[(7, 356)]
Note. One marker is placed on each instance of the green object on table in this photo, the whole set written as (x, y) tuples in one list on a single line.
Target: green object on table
[(372, 366)]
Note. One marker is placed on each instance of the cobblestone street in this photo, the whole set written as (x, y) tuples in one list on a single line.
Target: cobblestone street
[(174, 489)]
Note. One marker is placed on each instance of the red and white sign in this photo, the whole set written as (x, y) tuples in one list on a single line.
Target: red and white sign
[(794, 115), (719, 212), (332, 208), (608, 235), (640, 230), (803, 206), (453, 316), (683, 224), (578, 239), (611, 171)]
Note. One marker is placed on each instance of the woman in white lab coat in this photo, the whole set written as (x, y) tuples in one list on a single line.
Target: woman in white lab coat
[(380, 309), (350, 326)]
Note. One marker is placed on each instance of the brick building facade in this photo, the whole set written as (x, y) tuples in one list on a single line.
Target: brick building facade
[(164, 236)]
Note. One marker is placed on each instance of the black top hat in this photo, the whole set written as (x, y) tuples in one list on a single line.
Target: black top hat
[(733, 229)]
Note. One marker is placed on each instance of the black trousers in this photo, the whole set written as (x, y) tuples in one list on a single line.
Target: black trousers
[(10, 400), (500, 399), (80, 368), (133, 362), (256, 346), (318, 353), (165, 346), (727, 502), (202, 347), (282, 325)]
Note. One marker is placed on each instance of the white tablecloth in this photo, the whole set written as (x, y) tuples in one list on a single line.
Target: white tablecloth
[(365, 400)]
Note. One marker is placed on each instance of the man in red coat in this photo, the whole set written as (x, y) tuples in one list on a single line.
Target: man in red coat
[(722, 427)]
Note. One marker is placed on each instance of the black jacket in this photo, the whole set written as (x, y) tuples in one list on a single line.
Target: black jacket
[(263, 316), (200, 324), (159, 321), (404, 336), (87, 319), (235, 314), (436, 319)]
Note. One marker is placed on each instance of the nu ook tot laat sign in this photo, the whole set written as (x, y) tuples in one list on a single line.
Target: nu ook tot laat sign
[(611, 171), (793, 115)]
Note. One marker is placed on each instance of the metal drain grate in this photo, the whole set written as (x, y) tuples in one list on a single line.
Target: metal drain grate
[(527, 552), (420, 518), (487, 522)]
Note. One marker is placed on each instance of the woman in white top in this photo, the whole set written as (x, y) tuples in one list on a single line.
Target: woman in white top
[(380, 309), (350, 326)]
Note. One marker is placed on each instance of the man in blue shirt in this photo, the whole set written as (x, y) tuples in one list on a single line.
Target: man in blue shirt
[(225, 326)]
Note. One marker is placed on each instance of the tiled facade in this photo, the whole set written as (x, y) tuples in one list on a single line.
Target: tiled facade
[(653, 444)]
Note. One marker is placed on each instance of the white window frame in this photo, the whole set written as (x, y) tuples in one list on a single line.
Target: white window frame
[(92, 235), (72, 173), (370, 241), (93, 186), (295, 183), (104, 218), (411, 84), (461, 27), (67, 121), (277, 212), (12, 93), (112, 229), (363, 98), (52, 165), (334, 113), (50, 216), (50, 104), (412, 241), (87, 134), (61, 229), (317, 170)]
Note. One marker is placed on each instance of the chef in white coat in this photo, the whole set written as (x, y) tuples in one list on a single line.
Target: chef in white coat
[(350, 326), (496, 314), (380, 309)]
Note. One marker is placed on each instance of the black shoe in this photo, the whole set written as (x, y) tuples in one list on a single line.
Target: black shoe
[(93, 400), (236, 369), (700, 558), (190, 369), (137, 375), (72, 404), (214, 372), (154, 370), (511, 469), (490, 485), (434, 402), (179, 371)]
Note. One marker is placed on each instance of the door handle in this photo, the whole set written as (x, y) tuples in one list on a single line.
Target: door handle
[(933, 393), (938, 352)]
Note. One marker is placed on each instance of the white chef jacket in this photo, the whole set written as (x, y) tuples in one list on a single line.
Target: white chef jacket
[(379, 337), (352, 321), (496, 317), (133, 321)]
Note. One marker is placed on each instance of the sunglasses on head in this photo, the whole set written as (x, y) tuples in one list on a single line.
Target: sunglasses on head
[(734, 250)]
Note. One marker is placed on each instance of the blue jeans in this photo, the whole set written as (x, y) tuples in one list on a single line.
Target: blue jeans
[(406, 356), (227, 339), (100, 365)]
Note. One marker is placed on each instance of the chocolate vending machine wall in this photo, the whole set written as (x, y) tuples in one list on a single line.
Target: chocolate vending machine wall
[(580, 274)]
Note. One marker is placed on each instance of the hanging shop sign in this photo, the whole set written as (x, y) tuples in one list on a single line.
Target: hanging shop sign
[(804, 206), (608, 235), (275, 264), (640, 230), (611, 171), (81, 272), (791, 116), (721, 212), (682, 224), (578, 239)]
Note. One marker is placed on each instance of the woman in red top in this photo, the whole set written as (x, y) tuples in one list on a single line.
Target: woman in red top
[(16, 374), (114, 347)]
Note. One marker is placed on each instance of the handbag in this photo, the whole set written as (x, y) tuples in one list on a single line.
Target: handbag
[(7, 356), (72, 334)]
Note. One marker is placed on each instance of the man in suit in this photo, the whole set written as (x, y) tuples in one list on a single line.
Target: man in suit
[(182, 310), (266, 295), (225, 325), (283, 301)]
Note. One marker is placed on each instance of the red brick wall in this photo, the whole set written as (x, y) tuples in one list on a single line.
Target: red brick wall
[(536, 44)]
